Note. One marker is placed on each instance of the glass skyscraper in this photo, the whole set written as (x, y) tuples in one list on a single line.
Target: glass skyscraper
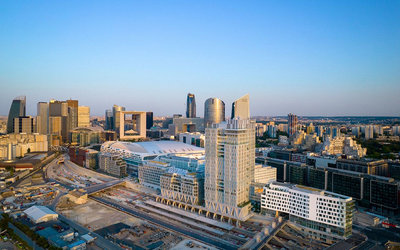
[(17, 109), (214, 111), (190, 106)]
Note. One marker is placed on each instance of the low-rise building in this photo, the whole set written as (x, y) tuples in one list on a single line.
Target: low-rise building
[(38, 214), (150, 173), (112, 164)]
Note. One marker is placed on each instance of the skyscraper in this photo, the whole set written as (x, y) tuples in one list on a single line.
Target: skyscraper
[(17, 109), (241, 108), (60, 109), (292, 124), (116, 110), (214, 111), (42, 118), (83, 116), (149, 120), (109, 125), (229, 168), (190, 106), (72, 114), (23, 124)]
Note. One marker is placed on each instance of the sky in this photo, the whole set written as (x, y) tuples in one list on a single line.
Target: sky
[(304, 57)]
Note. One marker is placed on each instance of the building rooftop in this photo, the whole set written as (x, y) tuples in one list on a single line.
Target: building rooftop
[(37, 212), (151, 147)]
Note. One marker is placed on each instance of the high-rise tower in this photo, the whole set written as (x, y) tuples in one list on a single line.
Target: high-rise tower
[(17, 109), (42, 118), (241, 108), (292, 124), (191, 106), (214, 111), (229, 168)]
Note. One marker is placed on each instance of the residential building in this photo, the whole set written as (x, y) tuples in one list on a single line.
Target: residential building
[(369, 132), (17, 145), (112, 164), (292, 124), (187, 188), (229, 169), (324, 215), (343, 146)]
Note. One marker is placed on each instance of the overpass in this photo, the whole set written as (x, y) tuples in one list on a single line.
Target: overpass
[(103, 186)]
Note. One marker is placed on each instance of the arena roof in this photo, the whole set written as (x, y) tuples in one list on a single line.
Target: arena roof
[(151, 147)]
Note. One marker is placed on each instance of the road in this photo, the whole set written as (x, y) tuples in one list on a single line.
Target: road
[(169, 226)]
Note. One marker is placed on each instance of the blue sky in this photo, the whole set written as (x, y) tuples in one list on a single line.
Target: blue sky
[(304, 57)]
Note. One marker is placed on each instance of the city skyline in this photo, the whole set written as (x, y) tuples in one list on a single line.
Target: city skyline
[(303, 58)]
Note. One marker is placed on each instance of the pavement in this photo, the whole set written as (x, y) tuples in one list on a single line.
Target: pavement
[(167, 225)]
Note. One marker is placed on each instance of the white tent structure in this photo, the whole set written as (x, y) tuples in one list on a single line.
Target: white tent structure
[(38, 214)]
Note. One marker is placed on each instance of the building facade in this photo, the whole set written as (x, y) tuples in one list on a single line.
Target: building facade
[(190, 106), (17, 109), (324, 215), (229, 169), (214, 112)]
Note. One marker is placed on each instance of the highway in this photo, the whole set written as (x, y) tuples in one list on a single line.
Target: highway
[(169, 226)]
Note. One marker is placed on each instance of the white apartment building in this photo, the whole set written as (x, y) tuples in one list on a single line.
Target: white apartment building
[(342, 145), (324, 215), (17, 145), (229, 168), (368, 132)]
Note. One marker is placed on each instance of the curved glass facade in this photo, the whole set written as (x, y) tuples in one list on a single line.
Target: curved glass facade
[(17, 109), (214, 111)]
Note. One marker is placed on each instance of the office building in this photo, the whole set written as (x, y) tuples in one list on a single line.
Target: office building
[(190, 106), (86, 136), (24, 124), (264, 174), (116, 114), (182, 125), (229, 170), (72, 114), (324, 215), (149, 120), (374, 167), (214, 111), (241, 108), (109, 120), (150, 173), (17, 109), (83, 116), (183, 187), (371, 191), (59, 109), (292, 124), (42, 118), (132, 125), (195, 139)]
